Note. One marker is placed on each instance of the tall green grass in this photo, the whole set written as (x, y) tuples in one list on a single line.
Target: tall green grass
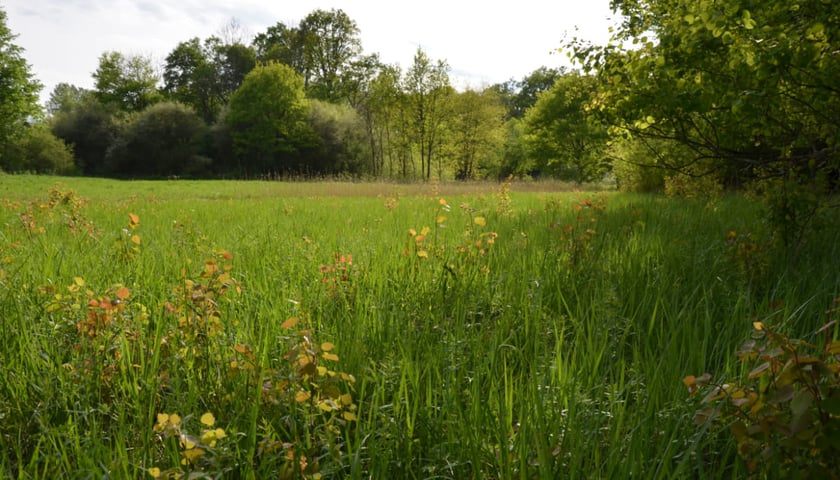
[(556, 351)]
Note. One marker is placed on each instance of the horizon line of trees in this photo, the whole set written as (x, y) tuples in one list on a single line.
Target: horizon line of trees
[(294, 100), (704, 93)]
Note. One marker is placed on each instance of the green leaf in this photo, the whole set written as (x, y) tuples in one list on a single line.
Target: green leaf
[(831, 406), (802, 400)]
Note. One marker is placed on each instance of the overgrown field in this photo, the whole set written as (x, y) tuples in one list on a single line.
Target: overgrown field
[(273, 330)]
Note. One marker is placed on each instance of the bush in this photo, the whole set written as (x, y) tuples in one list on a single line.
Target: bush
[(39, 151), (91, 129), (165, 139), (785, 412)]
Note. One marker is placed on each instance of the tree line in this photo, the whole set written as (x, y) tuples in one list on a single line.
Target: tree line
[(293, 100), (686, 95)]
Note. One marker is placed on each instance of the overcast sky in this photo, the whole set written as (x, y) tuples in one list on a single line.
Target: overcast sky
[(484, 42)]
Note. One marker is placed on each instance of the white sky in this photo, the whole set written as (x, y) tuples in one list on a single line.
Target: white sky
[(484, 42)]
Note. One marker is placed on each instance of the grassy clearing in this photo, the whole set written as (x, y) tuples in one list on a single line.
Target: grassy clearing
[(376, 331)]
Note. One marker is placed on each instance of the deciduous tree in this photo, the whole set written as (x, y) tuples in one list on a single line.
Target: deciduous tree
[(427, 86), (127, 82), (268, 120), (18, 89), (476, 132), (561, 136), (331, 41)]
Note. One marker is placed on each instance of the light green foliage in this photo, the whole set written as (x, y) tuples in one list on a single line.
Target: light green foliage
[(745, 85), (561, 135), (428, 94), (341, 145), (126, 82), (475, 133), (38, 150), (267, 117), (18, 91)]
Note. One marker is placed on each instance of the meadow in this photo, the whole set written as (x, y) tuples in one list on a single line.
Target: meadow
[(225, 329)]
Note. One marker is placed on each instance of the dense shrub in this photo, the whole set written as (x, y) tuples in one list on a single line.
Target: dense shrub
[(39, 151), (165, 139)]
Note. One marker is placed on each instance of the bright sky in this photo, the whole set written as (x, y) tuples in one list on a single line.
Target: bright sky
[(484, 42)]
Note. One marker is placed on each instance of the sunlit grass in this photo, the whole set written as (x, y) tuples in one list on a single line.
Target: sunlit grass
[(376, 330)]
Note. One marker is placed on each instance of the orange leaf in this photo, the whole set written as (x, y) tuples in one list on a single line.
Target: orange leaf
[(290, 322), (135, 239), (134, 219), (123, 293)]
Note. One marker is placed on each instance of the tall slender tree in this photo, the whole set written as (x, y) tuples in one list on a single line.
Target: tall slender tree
[(429, 91)]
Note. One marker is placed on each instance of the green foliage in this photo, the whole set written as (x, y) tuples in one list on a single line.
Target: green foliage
[(561, 135), (126, 82), (785, 412), (428, 95), (65, 97), (640, 165), (341, 140), (18, 90), (519, 96), (267, 117), (475, 133), (189, 77), (91, 128), (747, 91), (330, 41), (38, 150), (163, 140)]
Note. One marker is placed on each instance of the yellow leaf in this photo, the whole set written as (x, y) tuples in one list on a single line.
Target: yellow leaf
[(412, 232), (422, 254), (442, 202), (208, 419), (322, 371), (154, 472), (123, 293), (162, 418), (480, 221), (302, 396), (349, 416), (191, 455), (758, 325), (174, 419), (440, 219), (425, 230), (135, 239), (346, 399), (79, 281), (290, 322), (325, 406), (187, 443), (327, 346), (330, 356)]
